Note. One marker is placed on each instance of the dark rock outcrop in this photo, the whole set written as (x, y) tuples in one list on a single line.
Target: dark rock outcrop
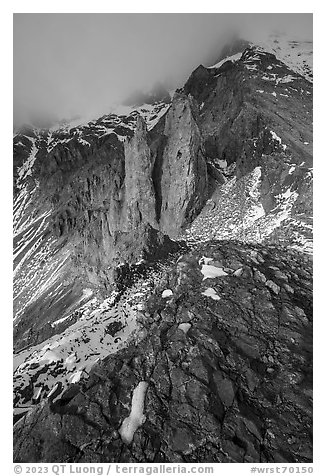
[(229, 379)]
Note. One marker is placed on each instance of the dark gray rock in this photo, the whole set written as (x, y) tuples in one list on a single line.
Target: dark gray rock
[(235, 388)]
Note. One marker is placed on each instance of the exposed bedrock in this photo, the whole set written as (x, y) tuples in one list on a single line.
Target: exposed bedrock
[(229, 377), (180, 171)]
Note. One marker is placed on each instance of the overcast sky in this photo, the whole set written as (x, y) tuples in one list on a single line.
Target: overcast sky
[(69, 64)]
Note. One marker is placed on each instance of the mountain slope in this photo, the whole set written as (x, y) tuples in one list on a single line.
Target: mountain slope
[(219, 389), (116, 223), (256, 120)]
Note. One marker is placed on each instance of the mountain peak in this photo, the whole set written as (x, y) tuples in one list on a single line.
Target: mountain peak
[(296, 53)]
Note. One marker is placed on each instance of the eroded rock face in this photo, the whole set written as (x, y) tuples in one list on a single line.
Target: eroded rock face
[(93, 201), (183, 175), (240, 102), (138, 185), (234, 385)]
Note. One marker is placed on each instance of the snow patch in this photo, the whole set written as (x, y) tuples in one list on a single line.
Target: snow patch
[(210, 292), (222, 163), (267, 78), (70, 361), (238, 272), (136, 418), (83, 343), (166, 293), (254, 213), (37, 394), (286, 79), (255, 179), (59, 321), (184, 327), (49, 357), (84, 142), (204, 260), (232, 58), (211, 272), (287, 194), (251, 67), (278, 139), (27, 167), (76, 376), (54, 388), (297, 54)]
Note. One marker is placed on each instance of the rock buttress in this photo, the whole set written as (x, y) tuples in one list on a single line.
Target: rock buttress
[(139, 189), (180, 165)]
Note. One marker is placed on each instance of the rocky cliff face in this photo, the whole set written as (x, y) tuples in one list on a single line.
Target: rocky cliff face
[(181, 171), (99, 198), (139, 187), (241, 101), (116, 223)]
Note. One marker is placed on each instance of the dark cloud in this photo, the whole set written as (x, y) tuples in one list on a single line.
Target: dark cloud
[(67, 64)]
